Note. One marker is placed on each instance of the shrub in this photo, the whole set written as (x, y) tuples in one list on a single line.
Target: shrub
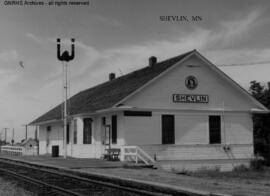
[(257, 164), (241, 168), (183, 171)]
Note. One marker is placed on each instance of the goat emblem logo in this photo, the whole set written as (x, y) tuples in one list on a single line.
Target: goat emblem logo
[(191, 82)]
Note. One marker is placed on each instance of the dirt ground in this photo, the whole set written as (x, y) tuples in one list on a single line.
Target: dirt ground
[(240, 183), (10, 188)]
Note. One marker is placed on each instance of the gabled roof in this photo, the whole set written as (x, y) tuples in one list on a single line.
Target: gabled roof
[(107, 94), (26, 141)]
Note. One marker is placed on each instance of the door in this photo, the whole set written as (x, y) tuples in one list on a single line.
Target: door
[(168, 135)]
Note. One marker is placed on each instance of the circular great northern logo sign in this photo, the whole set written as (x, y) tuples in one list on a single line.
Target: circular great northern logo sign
[(191, 82)]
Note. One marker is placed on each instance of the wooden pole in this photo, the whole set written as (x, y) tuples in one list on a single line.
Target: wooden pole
[(12, 140), (25, 131), (6, 135)]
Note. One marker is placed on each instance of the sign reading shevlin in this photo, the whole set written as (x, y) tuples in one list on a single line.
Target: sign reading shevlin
[(184, 98)]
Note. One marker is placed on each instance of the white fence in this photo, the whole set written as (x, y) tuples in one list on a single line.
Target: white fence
[(18, 150)]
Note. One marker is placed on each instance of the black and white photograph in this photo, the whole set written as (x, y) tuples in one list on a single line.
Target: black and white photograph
[(134, 97)]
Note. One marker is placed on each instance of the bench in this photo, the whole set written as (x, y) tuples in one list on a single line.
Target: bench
[(112, 154)]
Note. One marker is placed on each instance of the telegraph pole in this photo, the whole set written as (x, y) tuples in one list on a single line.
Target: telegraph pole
[(25, 131), (12, 140), (5, 134), (36, 133)]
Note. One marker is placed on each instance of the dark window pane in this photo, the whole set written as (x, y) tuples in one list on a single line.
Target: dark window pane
[(103, 120), (75, 132), (214, 130), (87, 131), (114, 129), (137, 113), (67, 133), (168, 129)]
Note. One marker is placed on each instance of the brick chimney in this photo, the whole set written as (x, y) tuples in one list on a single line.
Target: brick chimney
[(152, 61), (111, 76)]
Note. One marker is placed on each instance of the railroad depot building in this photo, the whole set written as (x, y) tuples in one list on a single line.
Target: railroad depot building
[(183, 112)]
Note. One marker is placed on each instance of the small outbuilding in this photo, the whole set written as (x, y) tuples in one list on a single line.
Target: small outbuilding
[(26, 147), (183, 112)]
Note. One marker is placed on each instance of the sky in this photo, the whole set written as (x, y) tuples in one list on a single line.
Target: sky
[(119, 36)]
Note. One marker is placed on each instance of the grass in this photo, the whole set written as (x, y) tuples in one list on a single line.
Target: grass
[(241, 181), (10, 188), (239, 173)]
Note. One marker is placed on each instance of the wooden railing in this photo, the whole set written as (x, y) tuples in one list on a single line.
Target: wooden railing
[(135, 154)]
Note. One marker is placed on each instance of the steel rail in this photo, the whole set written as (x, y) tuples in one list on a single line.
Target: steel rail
[(74, 177), (39, 182)]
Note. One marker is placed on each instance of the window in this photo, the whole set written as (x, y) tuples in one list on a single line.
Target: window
[(214, 130), (75, 131), (168, 129), (114, 129), (103, 120), (67, 134), (48, 128), (87, 131)]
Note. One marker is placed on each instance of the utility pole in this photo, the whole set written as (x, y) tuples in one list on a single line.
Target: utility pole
[(5, 134), (12, 140), (36, 133), (25, 131)]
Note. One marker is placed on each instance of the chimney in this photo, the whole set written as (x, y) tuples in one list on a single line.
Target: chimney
[(152, 61), (111, 76)]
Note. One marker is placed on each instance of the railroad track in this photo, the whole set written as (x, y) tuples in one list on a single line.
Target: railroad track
[(53, 182)]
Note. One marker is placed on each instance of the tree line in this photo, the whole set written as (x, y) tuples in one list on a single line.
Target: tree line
[(261, 122)]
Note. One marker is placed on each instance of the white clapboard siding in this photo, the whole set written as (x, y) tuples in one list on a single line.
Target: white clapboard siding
[(222, 165), (198, 152)]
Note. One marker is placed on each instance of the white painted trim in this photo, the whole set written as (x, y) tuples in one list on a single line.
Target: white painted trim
[(214, 68), (46, 122), (111, 110), (231, 81)]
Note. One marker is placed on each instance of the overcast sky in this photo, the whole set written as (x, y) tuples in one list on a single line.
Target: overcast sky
[(119, 36)]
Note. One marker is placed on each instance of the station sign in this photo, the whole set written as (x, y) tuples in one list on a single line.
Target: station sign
[(186, 98)]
